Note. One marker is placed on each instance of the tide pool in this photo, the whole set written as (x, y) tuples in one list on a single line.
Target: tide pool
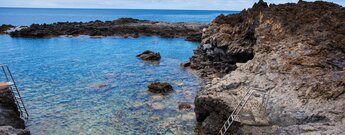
[(84, 85)]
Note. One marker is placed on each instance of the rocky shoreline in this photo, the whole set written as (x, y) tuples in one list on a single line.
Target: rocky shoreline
[(5, 27), (10, 121), (123, 27), (294, 52)]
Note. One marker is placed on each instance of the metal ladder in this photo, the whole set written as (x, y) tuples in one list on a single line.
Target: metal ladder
[(235, 113), (15, 92)]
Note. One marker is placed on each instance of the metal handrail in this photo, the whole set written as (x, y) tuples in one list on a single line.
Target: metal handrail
[(239, 108), (20, 104)]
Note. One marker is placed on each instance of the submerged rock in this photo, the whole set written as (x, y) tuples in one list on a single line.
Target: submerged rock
[(156, 106), (184, 106), (99, 86), (179, 82), (185, 64), (158, 87), (189, 116), (149, 56)]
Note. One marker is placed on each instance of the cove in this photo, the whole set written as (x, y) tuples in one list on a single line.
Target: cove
[(97, 85)]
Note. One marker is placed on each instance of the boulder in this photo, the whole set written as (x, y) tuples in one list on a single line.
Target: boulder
[(158, 87), (184, 106), (156, 106), (149, 56), (185, 64), (99, 86)]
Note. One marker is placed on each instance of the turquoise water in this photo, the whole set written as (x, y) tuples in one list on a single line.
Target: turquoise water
[(27, 16), (84, 85)]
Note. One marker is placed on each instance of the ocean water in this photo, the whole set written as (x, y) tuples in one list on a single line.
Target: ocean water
[(84, 85), (27, 16)]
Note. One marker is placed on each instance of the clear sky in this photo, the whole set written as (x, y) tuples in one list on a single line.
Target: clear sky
[(144, 4)]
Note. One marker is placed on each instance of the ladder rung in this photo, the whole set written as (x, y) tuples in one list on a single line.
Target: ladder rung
[(235, 112), (229, 123), (15, 92)]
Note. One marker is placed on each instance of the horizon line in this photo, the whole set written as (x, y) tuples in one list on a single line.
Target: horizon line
[(122, 8)]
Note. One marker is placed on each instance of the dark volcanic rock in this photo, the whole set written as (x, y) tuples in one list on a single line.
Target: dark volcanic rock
[(186, 64), (194, 37), (184, 106), (293, 52), (10, 121), (158, 87), (4, 28), (124, 27), (8, 130), (149, 56)]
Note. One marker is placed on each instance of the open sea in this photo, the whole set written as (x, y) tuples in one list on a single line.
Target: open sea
[(84, 85), (27, 16)]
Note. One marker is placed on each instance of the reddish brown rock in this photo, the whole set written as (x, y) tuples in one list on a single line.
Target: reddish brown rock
[(124, 27), (184, 106), (10, 121), (293, 52), (158, 87), (149, 56)]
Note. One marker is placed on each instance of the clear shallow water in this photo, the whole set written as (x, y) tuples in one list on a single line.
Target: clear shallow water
[(27, 16), (58, 78)]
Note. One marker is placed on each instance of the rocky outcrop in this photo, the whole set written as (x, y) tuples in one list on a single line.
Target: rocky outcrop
[(4, 28), (185, 64), (8, 130), (124, 27), (10, 121), (295, 53), (184, 106), (162, 88), (149, 56)]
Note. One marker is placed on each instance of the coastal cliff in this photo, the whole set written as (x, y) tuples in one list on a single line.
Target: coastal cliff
[(294, 52), (10, 121), (124, 27)]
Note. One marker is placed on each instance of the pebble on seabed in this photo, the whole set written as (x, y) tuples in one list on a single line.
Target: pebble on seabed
[(157, 106), (99, 86), (155, 118), (138, 104), (157, 97), (168, 123), (184, 106), (179, 82), (188, 116)]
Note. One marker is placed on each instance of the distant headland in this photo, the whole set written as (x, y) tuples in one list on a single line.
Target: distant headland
[(124, 27)]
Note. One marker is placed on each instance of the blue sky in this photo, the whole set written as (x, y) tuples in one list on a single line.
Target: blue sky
[(144, 4)]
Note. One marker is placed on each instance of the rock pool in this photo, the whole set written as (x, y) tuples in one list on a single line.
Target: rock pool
[(84, 85)]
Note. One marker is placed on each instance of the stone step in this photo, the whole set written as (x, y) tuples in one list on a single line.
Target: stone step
[(5, 85)]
